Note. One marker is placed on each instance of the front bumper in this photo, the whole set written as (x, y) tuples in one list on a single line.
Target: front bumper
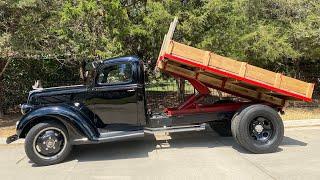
[(12, 138)]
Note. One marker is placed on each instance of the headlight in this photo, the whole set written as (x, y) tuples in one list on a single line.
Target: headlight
[(25, 108), (17, 124)]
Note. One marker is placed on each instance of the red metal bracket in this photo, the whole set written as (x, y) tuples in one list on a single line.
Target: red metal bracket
[(201, 88), (190, 102)]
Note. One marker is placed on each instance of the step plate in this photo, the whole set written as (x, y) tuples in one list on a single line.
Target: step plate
[(174, 129)]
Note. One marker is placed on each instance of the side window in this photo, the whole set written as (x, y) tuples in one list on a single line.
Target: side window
[(119, 73)]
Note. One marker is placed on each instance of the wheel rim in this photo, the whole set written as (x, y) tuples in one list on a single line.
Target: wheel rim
[(261, 129), (50, 143)]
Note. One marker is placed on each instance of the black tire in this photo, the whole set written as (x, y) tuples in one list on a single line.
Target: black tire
[(242, 121), (32, 138), (223, 128), (234, 123)]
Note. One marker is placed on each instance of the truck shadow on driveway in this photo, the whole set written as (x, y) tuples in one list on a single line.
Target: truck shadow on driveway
[(141, 148)]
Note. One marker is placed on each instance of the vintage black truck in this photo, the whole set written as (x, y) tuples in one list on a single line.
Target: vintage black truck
[(112, 105)]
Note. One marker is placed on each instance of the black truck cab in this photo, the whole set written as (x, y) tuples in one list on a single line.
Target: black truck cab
[(112, 107)]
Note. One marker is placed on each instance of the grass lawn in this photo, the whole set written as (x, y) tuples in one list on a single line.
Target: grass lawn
[(7, 131), (301, 113)]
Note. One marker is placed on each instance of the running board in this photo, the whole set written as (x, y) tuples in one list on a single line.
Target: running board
[(174, 129), (124, 135), (120, 135), (111, 136)]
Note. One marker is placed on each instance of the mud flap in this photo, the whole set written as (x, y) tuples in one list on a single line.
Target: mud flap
[(12, 138)]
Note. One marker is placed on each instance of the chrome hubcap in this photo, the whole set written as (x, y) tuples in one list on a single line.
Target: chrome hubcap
[(49, 143), (258, 128), (261, 129)]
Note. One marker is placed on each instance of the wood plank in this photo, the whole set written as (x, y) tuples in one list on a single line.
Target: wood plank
[(172, 28), (225, 64), (189, 52), (210, 80), (167, 38), (277, 81), (243, 69), (271, 99), (161, 53), (207, 58), (181, 71), (261, 90), (161, 65), (310, 90), (241, 90), (294, 85), (259, 74)]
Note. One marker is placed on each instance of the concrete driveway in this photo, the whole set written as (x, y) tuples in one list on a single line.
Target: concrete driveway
[(195, 155)]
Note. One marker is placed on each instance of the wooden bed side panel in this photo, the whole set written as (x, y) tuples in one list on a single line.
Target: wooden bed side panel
[(237, 68), (204, 57), (294, 85), (260, 74), (187, 52), (225, 64), (310, 90)]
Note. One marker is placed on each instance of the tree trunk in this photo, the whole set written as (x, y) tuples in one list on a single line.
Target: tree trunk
[(82, 71), (181, 89), (1, 98), (3, 65)]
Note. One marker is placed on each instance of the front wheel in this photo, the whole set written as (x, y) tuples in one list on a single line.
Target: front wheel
[(47, 143), (258, 128)]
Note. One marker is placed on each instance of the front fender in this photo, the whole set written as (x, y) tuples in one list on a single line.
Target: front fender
[(68, 115)]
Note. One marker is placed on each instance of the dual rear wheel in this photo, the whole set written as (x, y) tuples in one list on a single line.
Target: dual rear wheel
[(258, 128)]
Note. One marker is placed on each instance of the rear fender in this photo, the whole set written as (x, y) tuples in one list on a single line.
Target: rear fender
[(68, 115)]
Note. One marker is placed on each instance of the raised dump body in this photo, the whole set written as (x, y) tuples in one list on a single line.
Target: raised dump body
[(228, 75)]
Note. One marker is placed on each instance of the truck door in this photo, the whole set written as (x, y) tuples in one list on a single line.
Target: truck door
[(114, 96)]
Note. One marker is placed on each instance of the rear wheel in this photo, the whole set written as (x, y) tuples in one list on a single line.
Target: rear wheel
[(223, 128), (47, 143), (258, 128)]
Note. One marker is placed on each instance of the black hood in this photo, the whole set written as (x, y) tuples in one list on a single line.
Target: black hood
[(54, 95)]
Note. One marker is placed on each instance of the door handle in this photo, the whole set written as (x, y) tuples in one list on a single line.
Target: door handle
[(131, 90)]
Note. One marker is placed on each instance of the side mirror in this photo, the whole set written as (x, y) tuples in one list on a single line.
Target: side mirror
[(37, 85)]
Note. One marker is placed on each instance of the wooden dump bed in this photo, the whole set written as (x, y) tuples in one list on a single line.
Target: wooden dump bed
[(228, 75)]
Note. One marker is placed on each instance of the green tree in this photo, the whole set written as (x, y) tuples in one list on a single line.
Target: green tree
[(281, 35)]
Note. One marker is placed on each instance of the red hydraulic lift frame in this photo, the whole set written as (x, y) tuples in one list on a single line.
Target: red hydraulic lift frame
[(190, 106)]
